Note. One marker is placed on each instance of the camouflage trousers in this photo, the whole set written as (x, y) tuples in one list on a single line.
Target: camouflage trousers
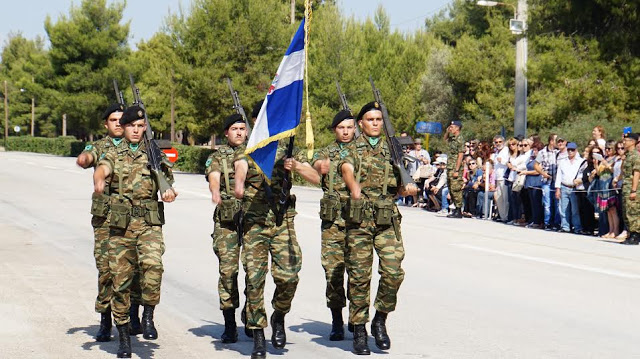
[(455, 190), (226, 248), (631, 212), (361, 241), (263, 238), (139, 245), (101, 255), (333, 251)]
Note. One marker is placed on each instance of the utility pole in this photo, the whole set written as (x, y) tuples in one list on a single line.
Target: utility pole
[(520, 121), (33, 110), (6, 114)]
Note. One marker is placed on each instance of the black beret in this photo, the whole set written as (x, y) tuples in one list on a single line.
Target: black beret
[(132, 113), (341, 116), (633, 136), (256, 109), (235, 118), (116, 107), (373, 105)]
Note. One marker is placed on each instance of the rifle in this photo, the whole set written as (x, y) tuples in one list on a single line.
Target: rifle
[(283, 197), (238, 106), (119, 96), (154, 153), (395, 147), (238, 220), (345, 105)]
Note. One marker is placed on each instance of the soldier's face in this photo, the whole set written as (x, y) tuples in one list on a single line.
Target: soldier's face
[(236, 134), (133, 131), (112, 124), (345, 130), (371, 123)]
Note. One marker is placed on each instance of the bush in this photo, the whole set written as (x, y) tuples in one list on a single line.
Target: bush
[(191, 158), (61, 146)]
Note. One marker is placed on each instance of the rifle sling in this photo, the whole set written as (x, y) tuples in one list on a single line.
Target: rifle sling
[(225, 170)]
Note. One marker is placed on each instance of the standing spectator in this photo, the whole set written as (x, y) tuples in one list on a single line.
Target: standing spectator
[(471, 188), (546, 166), (481, 189), (606, 195), (567, 172), (583, 182), (500, 160), (617, 184), (599, 137), (631, 173), (422, 159), (510, 177), (533, 187), (561, 144), (517, 166)]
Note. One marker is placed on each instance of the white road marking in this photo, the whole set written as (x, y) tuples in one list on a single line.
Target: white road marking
[(609, 272)]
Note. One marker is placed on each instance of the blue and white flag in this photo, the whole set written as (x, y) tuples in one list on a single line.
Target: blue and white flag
[(282, 108)]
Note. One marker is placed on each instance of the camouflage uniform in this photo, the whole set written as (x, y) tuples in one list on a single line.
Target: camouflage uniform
[(100, 225), (334, 244), (225, 237), (376, 176), (140, 243), (456, 146), (262, 237), (631, 209)]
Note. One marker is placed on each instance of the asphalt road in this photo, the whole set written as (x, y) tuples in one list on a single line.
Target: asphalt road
[(473, 289)]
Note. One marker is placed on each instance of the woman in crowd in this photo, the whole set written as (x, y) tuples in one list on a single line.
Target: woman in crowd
[(606, 195), (617, 185), (481, 187), (510, 177), (470, 190), (583, 181), (533, 188), (599, 137)]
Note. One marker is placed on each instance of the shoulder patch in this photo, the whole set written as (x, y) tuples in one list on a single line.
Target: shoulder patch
[(88, 147), (209, 160), (102, 156)]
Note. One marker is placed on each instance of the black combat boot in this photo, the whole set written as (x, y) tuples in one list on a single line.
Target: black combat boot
[(134, 321), (243, 317), (633, 239), (124, 351), (104, 333), (455, 214), (278, 336), (350, 327), (379, 331), (360, 340), (259, 344), (148, 328), (337, 325), (230, 334)]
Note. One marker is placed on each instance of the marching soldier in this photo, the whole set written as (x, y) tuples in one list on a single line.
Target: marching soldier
[(630, 201), (263, 237), (135, 219), (455, 142), (334, 243), (226, 244), (373, 222), (99, 209)]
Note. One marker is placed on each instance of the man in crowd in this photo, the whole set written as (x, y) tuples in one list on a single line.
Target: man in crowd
[(334, 245), (135, 219), (630, 201), (455, 143), (500, 160), (264, 237), (422, 159), (546, 166), (568, 170), (220, 174), (373, 222)]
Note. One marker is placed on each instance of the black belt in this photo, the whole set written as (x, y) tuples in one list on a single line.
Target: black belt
[(573, 186)]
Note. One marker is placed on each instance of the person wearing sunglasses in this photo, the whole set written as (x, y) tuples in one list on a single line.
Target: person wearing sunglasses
[(567, 173), (617, 185), (546, 165), (500, 160)]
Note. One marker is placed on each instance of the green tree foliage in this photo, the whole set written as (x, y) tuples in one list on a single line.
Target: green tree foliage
[(88, 49)]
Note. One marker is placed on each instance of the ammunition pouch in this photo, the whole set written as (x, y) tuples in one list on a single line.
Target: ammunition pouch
[(153, 213), (355, 210), (383, 212), (329, 208), (100, 205), (119, 215), (228, 209)]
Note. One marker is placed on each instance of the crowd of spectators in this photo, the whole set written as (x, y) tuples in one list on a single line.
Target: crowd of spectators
[(555, 186)]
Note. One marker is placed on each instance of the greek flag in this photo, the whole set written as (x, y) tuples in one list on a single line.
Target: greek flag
[(282, 108)]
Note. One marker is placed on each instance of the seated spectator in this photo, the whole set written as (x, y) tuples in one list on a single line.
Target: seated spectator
[(436, 186), (470, 189), (481, 210)]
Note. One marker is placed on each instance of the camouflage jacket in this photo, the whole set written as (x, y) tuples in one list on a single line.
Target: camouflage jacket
[(455, 145), (370, 162), (631, 164), (335, 152), (99, 148), (130, 175), (224, 154)]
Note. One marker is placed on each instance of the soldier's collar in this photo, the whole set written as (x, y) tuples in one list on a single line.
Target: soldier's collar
[(372, 141), (116, 141), (134, 146)]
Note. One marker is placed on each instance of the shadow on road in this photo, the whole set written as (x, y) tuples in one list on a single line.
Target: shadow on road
[(321, 332), (142, 348)]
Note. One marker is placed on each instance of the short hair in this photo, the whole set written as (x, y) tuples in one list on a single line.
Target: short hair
[(498, 137), (552, 136)]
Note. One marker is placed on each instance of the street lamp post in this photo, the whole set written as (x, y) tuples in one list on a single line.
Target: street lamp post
[(518, 26)]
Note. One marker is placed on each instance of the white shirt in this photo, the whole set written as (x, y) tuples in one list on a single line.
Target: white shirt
[(500, 167), (568, 171), (413, 166)]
